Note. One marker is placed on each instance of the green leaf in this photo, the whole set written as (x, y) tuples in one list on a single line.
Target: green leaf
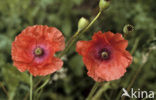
[(12, 77), (5, 43)]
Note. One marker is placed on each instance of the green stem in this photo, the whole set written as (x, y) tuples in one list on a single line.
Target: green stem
[(92, 91), (69, 44), (31, 86), (78, 34), (133, 79), (4, 89), (135, 46), (101, 91), (42, 85), (91, 23)]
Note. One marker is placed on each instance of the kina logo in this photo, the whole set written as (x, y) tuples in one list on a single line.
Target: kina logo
[(137, 93)]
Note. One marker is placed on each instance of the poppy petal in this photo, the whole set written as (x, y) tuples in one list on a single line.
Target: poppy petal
[(82, 47), (56, 37), (21, 66), (48, 68)]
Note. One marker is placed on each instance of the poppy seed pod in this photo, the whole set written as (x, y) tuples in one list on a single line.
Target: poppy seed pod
[(128, 29)]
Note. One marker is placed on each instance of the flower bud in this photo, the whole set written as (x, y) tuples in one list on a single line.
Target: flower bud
[(104, 4), (128, 28), (83, 22)]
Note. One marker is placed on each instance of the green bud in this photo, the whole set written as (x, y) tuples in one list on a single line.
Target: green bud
[(104, 4), (83, 22), (128, 29)]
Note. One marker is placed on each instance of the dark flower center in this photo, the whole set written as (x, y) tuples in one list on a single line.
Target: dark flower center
[(104, 54), (38, 51)]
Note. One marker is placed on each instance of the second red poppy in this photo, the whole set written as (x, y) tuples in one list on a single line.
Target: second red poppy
[(105, 56)]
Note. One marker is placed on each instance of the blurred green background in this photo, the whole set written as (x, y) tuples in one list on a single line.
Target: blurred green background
[(72, 82)]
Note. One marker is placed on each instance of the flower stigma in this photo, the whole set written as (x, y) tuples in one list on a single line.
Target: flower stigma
[(104, 55), (38, 51)]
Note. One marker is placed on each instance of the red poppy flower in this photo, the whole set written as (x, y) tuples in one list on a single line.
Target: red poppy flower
[(105, 56), (34, 49)]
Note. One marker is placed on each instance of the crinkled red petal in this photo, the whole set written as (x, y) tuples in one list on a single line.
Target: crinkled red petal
[(49, 68)]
